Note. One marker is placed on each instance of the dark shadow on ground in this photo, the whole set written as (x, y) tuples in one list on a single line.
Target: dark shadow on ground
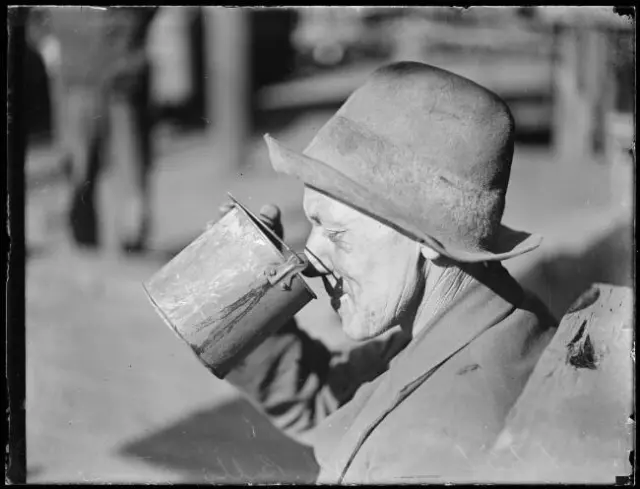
[(562, 278), (231, 443)]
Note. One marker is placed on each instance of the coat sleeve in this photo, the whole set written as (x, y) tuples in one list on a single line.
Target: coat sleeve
[(296, 381)]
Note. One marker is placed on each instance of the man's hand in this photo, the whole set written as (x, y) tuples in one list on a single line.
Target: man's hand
[(270, 215)]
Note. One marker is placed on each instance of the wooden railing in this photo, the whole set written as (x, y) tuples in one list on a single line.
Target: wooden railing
[(573, 422)]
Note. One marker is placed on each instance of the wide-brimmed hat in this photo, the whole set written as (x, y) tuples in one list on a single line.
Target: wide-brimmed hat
[(424, 151)]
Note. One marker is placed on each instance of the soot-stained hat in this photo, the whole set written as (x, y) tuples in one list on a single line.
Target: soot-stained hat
[(424, 151)]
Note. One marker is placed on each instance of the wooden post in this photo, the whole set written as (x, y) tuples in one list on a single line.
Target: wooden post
[(598, 82), (580, 84), (409, 41), (569, 113), (228, 97), (168, 43), (572, 421)]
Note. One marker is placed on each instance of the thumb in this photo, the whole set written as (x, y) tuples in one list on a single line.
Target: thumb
[(270, 214)]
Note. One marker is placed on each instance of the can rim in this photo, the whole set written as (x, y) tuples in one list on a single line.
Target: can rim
[(264, 229)]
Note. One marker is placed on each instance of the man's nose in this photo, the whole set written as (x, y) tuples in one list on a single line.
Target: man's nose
[(317, 267)]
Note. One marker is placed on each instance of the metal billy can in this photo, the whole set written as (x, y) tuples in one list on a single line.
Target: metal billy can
[(231, 288)]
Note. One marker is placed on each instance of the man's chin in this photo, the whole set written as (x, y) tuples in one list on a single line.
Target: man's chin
[(356, 335), (363, 331), (356, 331), (351, 321)]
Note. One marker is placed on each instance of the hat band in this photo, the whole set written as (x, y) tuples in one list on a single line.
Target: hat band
[(453, 210)]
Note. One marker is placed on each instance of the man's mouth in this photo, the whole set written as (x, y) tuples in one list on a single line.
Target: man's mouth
[(335, 291)]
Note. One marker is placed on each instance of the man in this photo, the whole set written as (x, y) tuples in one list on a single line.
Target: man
[(405, 189), (104, 92)]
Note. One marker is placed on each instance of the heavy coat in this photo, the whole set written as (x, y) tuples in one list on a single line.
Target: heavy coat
[(403, 410)]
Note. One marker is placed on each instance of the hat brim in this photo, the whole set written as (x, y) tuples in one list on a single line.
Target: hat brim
[(314, 173)]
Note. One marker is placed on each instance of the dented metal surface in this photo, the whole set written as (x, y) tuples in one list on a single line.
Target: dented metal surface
[(229, 289)]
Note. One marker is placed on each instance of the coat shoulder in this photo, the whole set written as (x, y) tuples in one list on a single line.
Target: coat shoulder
[(444, 429)]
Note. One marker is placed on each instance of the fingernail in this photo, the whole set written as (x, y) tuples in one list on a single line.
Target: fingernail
[(270, 212)]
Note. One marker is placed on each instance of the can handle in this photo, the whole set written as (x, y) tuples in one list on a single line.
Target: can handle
[(284, 273)]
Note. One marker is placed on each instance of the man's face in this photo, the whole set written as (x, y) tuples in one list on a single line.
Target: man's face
[(376, 278)]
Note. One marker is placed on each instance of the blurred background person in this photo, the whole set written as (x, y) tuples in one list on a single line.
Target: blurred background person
[(104, 93)]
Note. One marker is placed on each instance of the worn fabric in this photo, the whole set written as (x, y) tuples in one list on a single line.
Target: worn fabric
[(400, 409), (417, 137)]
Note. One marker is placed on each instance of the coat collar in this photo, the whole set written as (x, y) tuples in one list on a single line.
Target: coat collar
[(487, 297), (490, 295)]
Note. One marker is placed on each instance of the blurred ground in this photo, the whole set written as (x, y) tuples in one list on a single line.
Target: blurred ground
[(113, 396)]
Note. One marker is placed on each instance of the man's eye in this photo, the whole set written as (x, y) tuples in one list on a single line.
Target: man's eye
[(334, 235)]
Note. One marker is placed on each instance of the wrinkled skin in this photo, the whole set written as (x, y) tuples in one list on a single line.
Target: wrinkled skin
[(374, 275)]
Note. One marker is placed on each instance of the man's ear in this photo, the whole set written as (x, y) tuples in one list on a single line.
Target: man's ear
[(429, 253)]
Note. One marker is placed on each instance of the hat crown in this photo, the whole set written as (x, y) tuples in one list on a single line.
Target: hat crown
[(424, 151), (451, 122)]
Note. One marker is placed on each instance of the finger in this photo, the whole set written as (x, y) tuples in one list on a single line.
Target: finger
[(270, 214)]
